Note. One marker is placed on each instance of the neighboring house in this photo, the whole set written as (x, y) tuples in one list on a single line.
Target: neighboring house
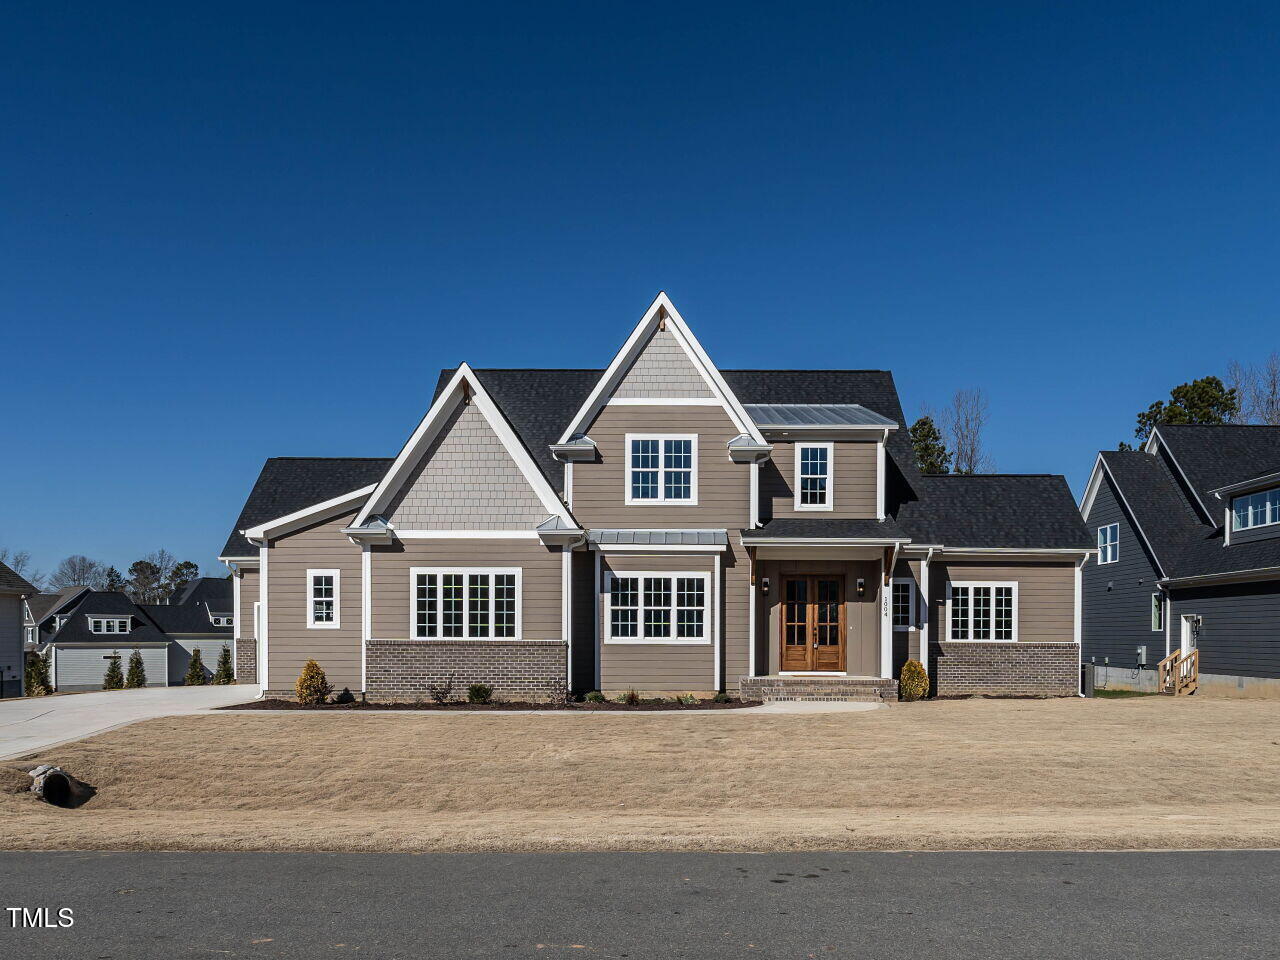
[(82, 631), (13, 590), (661, 525), (1188, 535)]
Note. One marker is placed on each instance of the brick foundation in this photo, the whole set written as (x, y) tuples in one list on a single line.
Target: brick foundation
[(834, 689), (1007, 669), (403, 669), (246, 661)]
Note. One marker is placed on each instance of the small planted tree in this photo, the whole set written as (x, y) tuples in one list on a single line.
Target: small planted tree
[(114, 677), (38, 683), (312, 686), (137, 675), (913, 682), (195, 670), (225, 673)]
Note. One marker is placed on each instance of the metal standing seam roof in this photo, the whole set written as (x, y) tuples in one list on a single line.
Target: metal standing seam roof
[(815, 415), (662, 538)]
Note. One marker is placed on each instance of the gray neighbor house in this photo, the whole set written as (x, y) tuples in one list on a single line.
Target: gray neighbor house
[(1188, 537), (13, 592), (659, 525)]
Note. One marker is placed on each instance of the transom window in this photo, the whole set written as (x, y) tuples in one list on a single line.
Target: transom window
[(662, 469), (657, 608), (1255, 510), (904, 603), (1109, 543), (108, 624), (983, 611), (465, 603), (322, 599), (813, 475)]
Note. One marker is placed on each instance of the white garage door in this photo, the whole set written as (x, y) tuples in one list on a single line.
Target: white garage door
[(82, 668)]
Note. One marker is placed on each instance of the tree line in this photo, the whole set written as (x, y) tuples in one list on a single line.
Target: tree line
[(150, 580)]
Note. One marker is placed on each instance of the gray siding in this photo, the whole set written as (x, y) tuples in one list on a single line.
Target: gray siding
[(1117, 596), (180, 655), (1240, 631), (662, 369), (11, 658), (853, 483), (82, 668), (467, 480)]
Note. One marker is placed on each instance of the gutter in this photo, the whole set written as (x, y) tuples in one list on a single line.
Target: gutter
[(1231, 576)]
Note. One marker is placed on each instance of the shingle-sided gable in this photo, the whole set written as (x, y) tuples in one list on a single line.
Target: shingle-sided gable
[(662, 369)]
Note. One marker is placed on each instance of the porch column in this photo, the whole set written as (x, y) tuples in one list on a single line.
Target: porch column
[(886, 618)]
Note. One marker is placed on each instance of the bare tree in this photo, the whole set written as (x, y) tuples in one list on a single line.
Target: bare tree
[(19, 561), (1259, 390), (78, 571), (965, 420)]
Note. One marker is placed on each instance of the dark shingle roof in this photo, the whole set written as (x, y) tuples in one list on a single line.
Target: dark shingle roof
[(995, 510), (214, 591), (1215, 455), (11, 581), (824, 528), (108, 604), (288, 484), (183, 618)]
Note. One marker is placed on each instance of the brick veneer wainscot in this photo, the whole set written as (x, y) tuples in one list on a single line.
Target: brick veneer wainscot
[(1008, 669), (517, 670), (246, 661)]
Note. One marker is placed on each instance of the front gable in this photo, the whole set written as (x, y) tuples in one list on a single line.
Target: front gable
[(662, 369)]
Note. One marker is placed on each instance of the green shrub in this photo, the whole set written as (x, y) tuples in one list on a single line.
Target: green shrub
[(225, 674), (595, 696), (195, 670), (630, 698), (38, 683), (479, 693), (721, 697), (114, 677), (312, 686), (687, 699), (137, 675), (913, 682)]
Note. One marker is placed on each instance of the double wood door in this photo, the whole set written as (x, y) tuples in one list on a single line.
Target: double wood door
[(813, 623)]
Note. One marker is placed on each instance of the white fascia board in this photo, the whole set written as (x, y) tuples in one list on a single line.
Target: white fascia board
[(1091, 488), (1067, 553), (300, 518), (1232, 576), (822, 542), (622, 361), (430, 427)]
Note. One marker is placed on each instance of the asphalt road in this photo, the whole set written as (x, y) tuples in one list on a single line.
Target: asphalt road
[(135, 906)]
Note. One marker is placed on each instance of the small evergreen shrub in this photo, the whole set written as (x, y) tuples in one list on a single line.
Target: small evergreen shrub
[(114, 677), (687, 699), (312, 686), (595, 696), (346, 696), (38, 683), (225, 674), (630, 698), (913, 682), (137, 675), (479, 693), (195, 670), (721, 697)]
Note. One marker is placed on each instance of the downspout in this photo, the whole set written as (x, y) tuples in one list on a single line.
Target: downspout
[(566, 599)]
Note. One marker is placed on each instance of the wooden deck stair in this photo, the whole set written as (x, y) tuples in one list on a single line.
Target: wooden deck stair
[(820, 688), (1179, 673)]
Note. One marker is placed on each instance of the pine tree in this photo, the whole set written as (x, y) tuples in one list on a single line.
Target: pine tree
[(114, 677), (113, 581), (931, 452), (38, 683), (137, 675), (225, 673), (195, 671), (312, 686), (1207, 400)]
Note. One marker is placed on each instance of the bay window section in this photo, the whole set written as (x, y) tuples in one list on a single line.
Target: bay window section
[(465, 604), (983, 612), (657, 608), (662, 469)]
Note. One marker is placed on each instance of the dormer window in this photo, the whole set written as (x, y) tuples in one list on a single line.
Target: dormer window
[(662, 468), (109, 625), (813, 475), (221, 621), (1255, 510)]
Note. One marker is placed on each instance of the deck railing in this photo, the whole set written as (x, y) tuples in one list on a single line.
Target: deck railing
[(1179, 673)]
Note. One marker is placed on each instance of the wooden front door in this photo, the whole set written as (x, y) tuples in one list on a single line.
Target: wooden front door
[(813, 623)]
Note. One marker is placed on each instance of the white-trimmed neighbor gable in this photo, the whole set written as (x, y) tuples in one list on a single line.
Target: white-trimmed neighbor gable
[(463, 468), (651, 355)]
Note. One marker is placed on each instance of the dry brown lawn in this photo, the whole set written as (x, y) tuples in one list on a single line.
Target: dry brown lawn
[(1069, 774)]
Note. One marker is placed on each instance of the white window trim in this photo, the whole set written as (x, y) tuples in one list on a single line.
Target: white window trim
[(915, 617), (1235, 526), (337, 599), (414, 572), (1157, 602), (109, 633), (1115, 544), (831, 476), (708, 615), (982, 583), (660, 499)]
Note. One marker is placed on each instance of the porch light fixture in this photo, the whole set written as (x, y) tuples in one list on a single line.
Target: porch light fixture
[(764, 585), (862, 587)]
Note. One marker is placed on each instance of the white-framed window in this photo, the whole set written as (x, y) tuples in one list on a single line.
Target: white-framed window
[(657, 607), (465, 603), (108, 624), (1109, 543), (1157, 613), (815, 463), (904, 604), (1255, 510), (221, 621), (982, 611), (662, 468), (324, 594)]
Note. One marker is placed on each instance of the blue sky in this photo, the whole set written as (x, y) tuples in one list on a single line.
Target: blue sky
[(237, 231)]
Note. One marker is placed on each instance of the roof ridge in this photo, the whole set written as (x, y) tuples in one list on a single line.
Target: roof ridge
[(327, 458), (970, 476)]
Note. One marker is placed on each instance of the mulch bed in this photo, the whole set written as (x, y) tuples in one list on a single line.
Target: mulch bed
[(607, 706)]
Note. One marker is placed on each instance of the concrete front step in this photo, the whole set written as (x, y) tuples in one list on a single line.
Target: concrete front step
[(819, 688)]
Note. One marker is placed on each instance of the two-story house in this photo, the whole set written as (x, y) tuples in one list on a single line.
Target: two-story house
[(1188, 536), (660, 525), (14, 589)]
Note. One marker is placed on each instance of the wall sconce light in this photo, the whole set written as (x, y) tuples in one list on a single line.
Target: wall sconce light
[(862, 587), (1110, 584), (764, 585)]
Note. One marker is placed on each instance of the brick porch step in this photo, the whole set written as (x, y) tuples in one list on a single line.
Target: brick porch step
[(848, 689)]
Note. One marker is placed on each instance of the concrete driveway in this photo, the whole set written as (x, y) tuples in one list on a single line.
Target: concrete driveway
[(30, 725)]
